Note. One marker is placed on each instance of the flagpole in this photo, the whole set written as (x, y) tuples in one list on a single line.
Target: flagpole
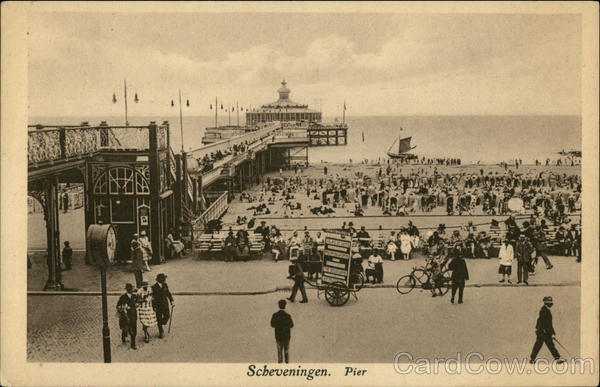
[(181, 120), (237, 109), (344, 113), (216, 110), (125, 92), (229, 110)]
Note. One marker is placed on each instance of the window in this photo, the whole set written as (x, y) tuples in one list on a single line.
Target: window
[(120, 180), (101, 183)]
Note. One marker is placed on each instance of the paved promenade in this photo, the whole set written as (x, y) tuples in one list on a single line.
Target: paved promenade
[(201, 276), (496, 322)]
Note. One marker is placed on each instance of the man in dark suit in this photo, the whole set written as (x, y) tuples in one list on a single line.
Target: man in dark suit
[(126, 306), (161, 297), (544, 332), (523, 252), (460, 274), (298, 277), (282, 322)]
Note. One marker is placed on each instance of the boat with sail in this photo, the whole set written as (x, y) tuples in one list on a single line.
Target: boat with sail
[(401, 150)]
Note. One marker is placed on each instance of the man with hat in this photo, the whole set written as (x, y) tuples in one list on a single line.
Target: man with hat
[(230, 247), (161, 298), (126, 307), (264, 231), (523, 251), (298, 276), (544, 332)]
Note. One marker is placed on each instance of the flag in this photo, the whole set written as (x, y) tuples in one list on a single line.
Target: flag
[(172, 103), (187, 103), (136, 99), (211, 106), (114, 98), (344, 105), (232, 109), (221, 106)]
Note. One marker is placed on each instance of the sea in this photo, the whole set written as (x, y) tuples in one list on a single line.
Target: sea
[(473, 139)]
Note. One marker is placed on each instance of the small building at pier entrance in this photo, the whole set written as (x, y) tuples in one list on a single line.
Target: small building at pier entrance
[(284, 109)]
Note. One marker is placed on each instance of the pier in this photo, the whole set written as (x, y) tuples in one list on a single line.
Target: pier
[(134, 180)]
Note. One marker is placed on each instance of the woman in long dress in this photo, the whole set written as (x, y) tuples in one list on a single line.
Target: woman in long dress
[(145, 310), (146, 248), (405, 246)]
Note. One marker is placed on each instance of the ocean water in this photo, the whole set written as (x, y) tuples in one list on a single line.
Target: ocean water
[(487, 139)]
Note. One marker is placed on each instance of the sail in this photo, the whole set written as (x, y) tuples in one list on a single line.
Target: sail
[(404, 145)]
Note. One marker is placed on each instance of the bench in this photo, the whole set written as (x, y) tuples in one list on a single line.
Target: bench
[(212, 245)]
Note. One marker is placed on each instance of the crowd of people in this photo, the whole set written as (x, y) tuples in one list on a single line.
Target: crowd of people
[(207, 162), (392, 192)]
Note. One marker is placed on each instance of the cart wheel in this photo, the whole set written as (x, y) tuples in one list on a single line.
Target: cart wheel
[(405, 284), (337, 294), (357, 281)]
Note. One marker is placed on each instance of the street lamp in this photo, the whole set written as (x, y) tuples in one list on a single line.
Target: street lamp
[(187, 103), (135, 99)]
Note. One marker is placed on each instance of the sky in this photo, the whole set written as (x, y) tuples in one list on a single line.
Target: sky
[(380, 64)]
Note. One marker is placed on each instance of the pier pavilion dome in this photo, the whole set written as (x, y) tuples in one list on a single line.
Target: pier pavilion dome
[(284, 109)]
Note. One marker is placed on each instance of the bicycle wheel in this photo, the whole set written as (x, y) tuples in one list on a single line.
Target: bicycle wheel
[(357, 280), (405, 284), (443, 284)]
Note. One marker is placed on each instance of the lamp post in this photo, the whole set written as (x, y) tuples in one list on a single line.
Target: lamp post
[(187, 103), (135, 99)]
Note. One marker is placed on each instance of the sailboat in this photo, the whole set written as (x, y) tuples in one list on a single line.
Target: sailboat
[(403, 148)]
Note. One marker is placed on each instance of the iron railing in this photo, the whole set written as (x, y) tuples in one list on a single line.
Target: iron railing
[(50, 144), (214, 211), (224, 145)]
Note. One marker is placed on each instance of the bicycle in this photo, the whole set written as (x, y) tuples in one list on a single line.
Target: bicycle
[(422, 277)]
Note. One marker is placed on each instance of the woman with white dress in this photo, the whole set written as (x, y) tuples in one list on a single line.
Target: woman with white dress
[(405, 245)]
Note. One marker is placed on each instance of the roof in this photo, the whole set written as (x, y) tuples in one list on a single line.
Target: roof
[(284, 102)]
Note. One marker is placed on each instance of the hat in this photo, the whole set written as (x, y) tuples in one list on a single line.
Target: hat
[(350, 224), (135, 244), (128, 286), (161, 276), (144, 282), (143, 233), (136, 235), (263, 221), (548, 300)]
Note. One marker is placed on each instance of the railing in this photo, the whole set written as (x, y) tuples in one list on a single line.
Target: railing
[(224, 145), (214, 211), (190, 187), (53, 143), (211, 176)]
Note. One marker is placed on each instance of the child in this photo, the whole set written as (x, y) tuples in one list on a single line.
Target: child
[(67, 254)]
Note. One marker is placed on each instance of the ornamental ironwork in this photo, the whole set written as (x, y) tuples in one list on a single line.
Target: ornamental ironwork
[(79, 142), (43, 146), (132, 137)]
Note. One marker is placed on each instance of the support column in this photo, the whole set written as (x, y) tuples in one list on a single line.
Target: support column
[(155, 215), (179, 188), (52, 235)]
